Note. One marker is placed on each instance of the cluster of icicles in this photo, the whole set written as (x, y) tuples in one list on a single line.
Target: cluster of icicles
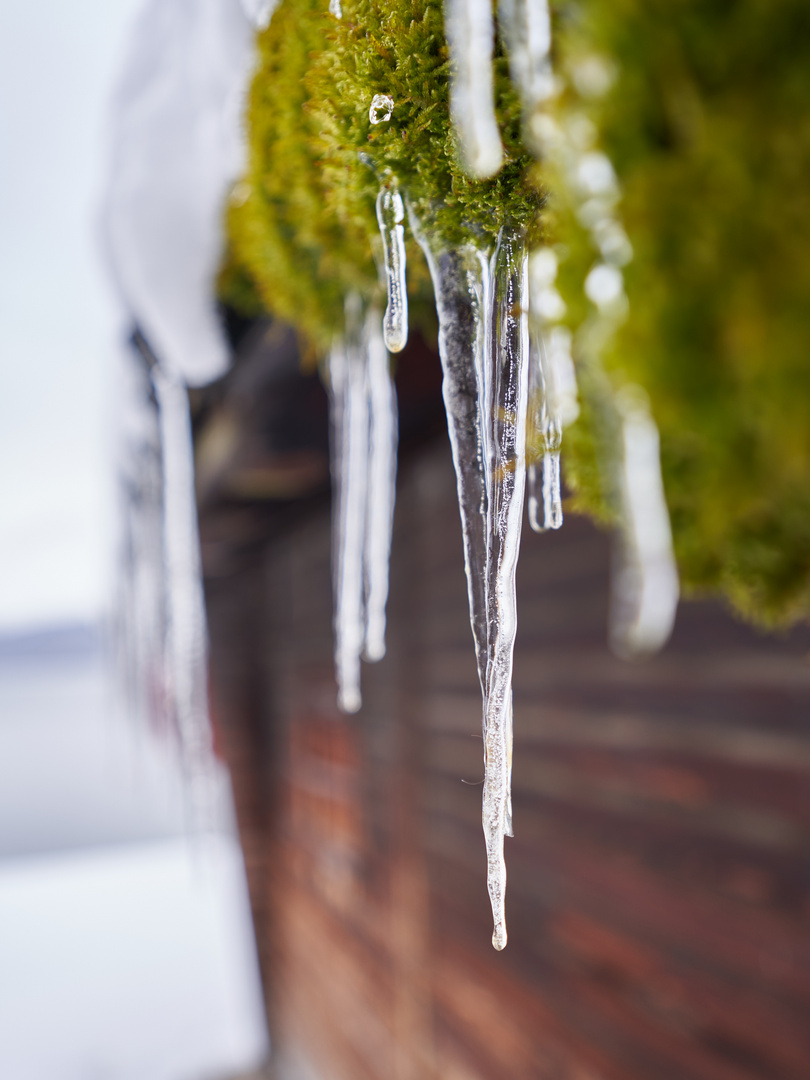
[(163, 641), (509, 383)]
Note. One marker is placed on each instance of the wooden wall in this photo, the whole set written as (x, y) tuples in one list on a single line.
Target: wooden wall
[(659, 880)]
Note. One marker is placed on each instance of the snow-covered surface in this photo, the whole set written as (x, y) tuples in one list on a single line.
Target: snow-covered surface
[(126, 947), (177, 147), (126, 963)]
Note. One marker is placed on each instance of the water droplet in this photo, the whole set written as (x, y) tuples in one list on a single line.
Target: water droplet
[(335, 9), (381, 108)]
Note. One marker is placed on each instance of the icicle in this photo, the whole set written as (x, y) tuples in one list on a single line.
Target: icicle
[(546, 423), (186, 605), (390, 216), (645, 585), (483, 343), (364, 454), (526, 29), (508, 394), (461, 283), (350, 434), (470, 35), (553, 386), (382, 472), (140, 614)]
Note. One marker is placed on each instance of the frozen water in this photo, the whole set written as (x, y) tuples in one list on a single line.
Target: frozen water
[(470, 35), (177, 149), (382, 473), (390, 217), (364, 447), (645, 583), (381, 108), (186, 629), (507, 362), (461, 283)]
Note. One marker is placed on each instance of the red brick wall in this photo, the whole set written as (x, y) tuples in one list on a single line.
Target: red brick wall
[(659, 880)]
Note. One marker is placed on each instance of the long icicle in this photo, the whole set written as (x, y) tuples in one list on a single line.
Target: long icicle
[(508, 356), (350, 434), (382, 474), (470, 35), (461, 285), (186, 634), (390, 217)]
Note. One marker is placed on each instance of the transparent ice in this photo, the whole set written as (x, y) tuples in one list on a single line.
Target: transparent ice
[(390, 217), (381, 108), (481, 300), (525, 26)]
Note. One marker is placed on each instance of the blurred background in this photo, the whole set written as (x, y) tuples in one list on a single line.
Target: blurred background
[(126, 947), (335, 908)]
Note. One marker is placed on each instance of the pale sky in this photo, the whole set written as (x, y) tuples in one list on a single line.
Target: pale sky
[(58, 319)]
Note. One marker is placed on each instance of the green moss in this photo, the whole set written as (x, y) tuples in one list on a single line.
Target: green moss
[(304, 222), (707, 126)]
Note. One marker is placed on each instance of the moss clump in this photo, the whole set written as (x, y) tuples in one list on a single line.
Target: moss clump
[(708, 127), (303, 222)]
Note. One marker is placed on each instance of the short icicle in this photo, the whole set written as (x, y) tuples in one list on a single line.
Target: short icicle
[(348, 378), (390, 217), (546, 425), (508, 393), (382, 475), (470, 34)]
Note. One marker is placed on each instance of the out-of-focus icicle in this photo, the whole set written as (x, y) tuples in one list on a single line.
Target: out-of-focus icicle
[(547, 424), (186, 630), (470, 35), (508, 392), (348, 378), (140, 609), (553, 393), (390, 216), (461, 283), (525, 26), (364, 461), (382, 475), (645, 583)]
